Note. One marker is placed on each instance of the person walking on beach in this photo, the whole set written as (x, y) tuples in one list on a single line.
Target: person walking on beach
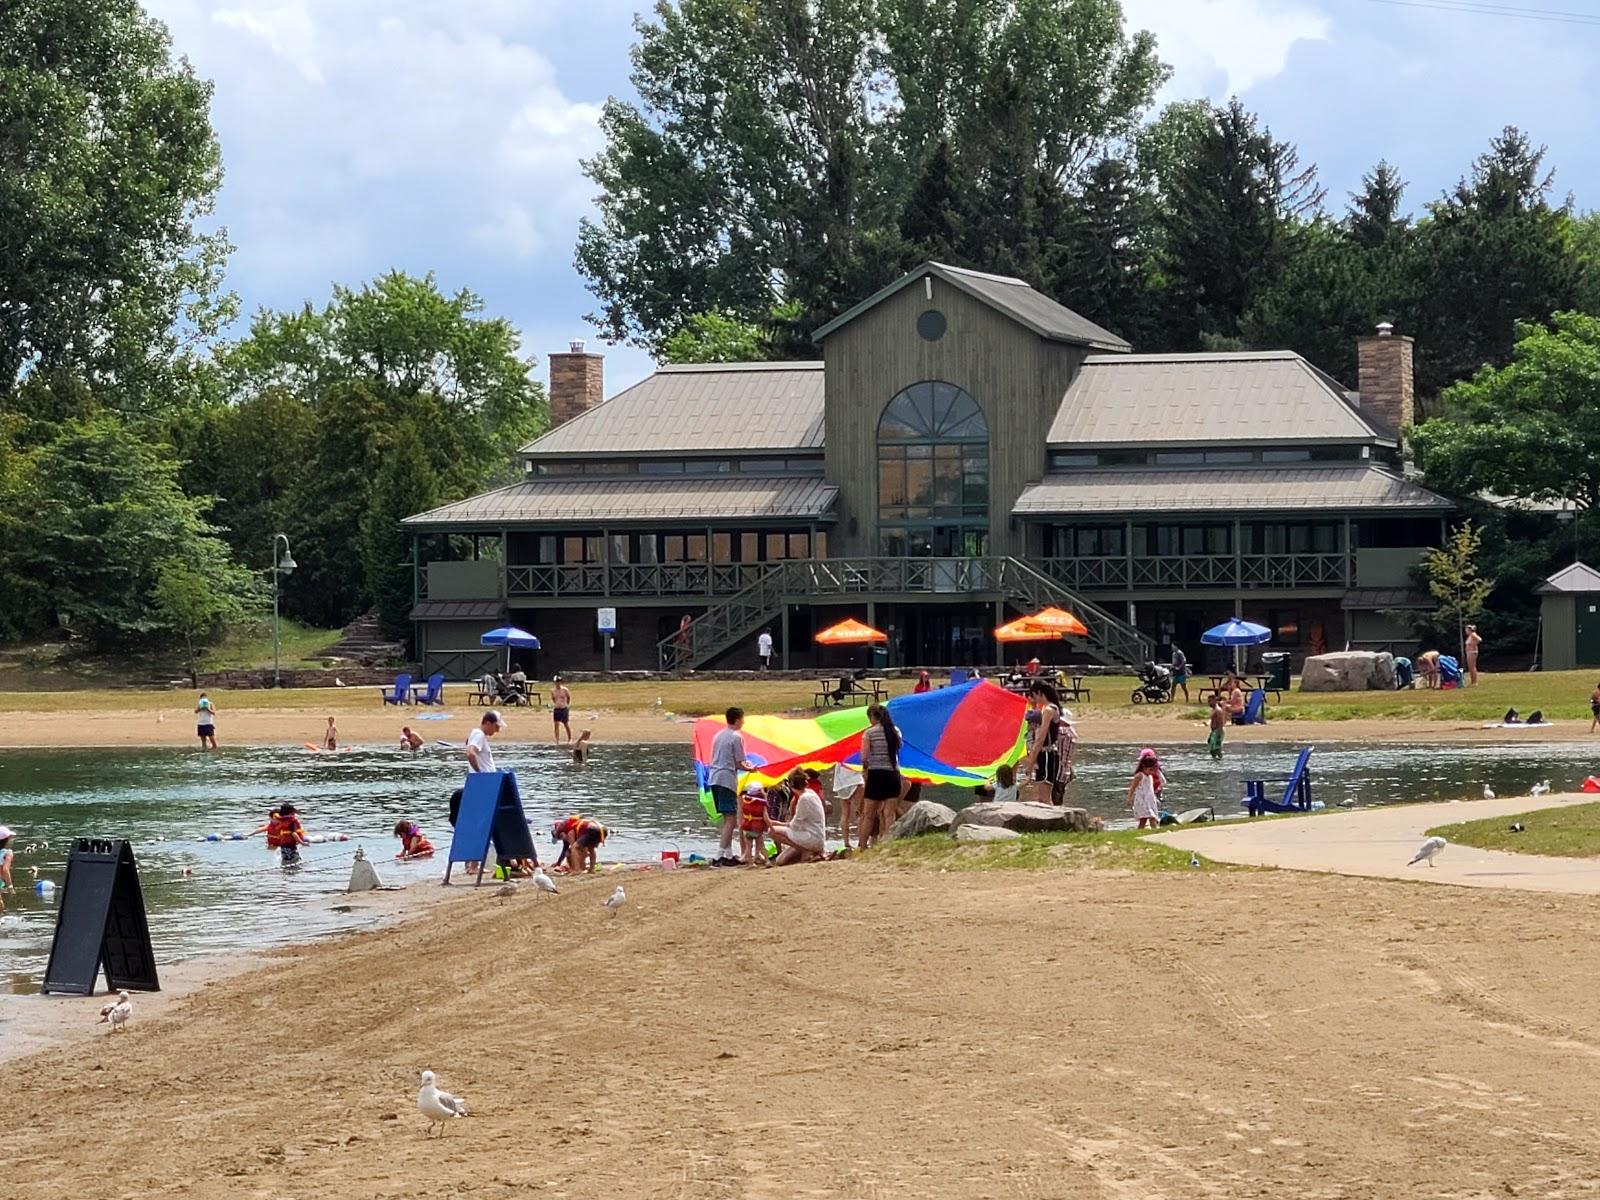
[(205, 722), (1180, 671), (561, 710), (1219, 722), (1049, 762), (880, 758), (764, 649), (727, 760), (1474, 641), (1142, 793)]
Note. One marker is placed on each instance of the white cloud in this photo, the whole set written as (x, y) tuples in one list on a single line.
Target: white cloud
[(288, 32), (1224, 47)]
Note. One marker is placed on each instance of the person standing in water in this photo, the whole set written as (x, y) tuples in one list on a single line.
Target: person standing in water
[(205, 720), (561, 710), (1219, 722), (330, 736), (1142, 792)]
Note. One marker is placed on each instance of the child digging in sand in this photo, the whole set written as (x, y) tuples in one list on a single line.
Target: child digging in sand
[(413, 842)]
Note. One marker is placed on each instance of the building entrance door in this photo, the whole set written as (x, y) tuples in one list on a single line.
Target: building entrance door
[(1588, 618)]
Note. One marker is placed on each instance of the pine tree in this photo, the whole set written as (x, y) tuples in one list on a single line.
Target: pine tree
[(932, 223), (1375, 220)]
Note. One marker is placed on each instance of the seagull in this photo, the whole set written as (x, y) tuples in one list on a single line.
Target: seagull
[(1430, 850), (1540, 788), (1488, 792), (1194, 859), (116, 1014), (617, 899), (543, 882), (1516, 827), (337, 682), (438, 1106)]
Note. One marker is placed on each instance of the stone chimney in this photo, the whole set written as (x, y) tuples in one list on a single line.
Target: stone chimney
[(1388, 385), (577, 383)]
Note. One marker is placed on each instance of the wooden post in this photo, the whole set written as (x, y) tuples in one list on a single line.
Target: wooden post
[(784, 621), (1349, 557), (1238, 553)]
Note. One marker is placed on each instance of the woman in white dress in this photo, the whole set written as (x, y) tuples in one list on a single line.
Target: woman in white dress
[(1142, 793)]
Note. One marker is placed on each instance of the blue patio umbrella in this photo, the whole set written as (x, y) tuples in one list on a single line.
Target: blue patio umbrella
[(509, 636), (1236, 633)]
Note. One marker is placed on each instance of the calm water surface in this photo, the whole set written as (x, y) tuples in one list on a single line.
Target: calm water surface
[(235, 897)]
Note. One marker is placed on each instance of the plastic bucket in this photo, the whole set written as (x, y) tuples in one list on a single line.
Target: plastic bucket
[(670, 856)]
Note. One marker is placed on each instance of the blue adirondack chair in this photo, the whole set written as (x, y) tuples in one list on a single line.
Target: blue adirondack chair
[(958, 676), (401, 693), (1296, 790), (435, 692), (1255, 709)]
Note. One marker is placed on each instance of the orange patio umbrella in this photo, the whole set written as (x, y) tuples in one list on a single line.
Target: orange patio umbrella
[(1057, 620), (1022, 630), (850, 632)]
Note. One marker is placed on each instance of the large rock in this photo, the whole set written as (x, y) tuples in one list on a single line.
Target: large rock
[(1024, 817), (986, 833), (1348, 671), (924, 817)]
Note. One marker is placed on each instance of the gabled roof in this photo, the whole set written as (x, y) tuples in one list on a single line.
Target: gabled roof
[(1205, 400), (1217, 490), (1579, 577), (564, 501), (1026, 306), (699, 408)]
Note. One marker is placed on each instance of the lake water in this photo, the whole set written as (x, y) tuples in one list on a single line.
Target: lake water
[(234, 896)]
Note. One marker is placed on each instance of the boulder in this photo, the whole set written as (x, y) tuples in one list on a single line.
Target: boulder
[(1348, 671), (986, 833), (1024, 817), (923, 817)]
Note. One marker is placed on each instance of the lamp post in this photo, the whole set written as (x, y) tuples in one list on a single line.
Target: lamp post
[(279, 567)]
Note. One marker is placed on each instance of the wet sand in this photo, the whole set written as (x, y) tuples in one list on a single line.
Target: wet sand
[(854, 1030)]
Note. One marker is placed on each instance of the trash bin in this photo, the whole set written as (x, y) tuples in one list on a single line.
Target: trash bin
[(1275, 666), (880, 657)]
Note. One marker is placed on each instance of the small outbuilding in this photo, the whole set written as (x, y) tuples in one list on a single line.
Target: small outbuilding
[(1570, 616)]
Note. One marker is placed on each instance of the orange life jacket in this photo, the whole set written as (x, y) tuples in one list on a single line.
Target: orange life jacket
[(284, 831)]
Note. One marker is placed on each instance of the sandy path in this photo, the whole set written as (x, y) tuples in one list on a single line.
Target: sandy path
[(1379, 842), (174, 726), (862, 1032)]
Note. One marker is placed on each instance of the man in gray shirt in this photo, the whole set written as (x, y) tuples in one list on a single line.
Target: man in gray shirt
[(727, 760)]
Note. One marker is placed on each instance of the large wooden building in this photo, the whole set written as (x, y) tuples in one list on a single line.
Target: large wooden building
[(966, 448)]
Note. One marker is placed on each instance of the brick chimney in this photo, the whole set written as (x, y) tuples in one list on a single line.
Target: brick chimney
[(577, 383), (1388, 385)]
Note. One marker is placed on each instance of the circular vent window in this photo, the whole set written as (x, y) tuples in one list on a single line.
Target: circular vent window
[(931, 325)]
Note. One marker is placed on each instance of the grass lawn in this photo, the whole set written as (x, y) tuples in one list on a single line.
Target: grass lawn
[(1571, 832), (1124, 850)]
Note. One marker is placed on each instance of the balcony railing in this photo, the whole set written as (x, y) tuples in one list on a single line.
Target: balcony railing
[(1249, 571), (632, 579)]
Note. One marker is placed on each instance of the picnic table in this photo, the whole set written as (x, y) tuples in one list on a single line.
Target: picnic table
[(1019, 685), (841, 690), (1252, 683), (488, 697)]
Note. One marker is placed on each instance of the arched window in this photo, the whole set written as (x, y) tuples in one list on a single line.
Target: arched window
[(933, 473)]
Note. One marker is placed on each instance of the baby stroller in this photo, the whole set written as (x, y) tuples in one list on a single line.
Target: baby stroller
[(1155, 684)]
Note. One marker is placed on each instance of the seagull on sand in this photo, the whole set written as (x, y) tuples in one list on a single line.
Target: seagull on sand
[(543, 882), (616, 900), (1540, 788), (116, 1013), (1430, 850), (438, 1106), (1488, 792)]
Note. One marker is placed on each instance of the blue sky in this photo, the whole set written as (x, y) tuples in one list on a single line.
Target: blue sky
[(445, 135)]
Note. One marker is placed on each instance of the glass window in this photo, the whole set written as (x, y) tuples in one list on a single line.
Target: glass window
[(695, 547), (798, 547), (607, 468), (1179, 458), (547, 548), (761, 466), (933, 469), (648, 549), (661, 466), (819, 543), (803, 466), (775, 546), (619, 548), (672, 547), (557, 468), (1062, 459), (722, 547), (1230, 456), (892, 479), (749, 547), (1285, 456)]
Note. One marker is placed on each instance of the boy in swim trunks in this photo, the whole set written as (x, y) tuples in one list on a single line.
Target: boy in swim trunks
[(560, 710), (1219, 722)]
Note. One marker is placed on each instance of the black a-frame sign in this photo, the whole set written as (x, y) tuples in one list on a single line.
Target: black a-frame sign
[(100, 922), (491, 810)]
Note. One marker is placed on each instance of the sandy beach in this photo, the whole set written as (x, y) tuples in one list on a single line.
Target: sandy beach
[(857, 1030), (112, 726)]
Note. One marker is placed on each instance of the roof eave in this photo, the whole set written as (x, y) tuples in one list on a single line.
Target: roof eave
[(1151, 446)]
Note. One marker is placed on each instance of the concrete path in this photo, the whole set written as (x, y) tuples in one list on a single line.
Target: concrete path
[(1380, 841)]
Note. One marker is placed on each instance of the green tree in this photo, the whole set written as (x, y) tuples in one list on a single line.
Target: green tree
[(1329, 293), (716, 338), (1376, 221), (201, 595), (1109, 271), (1529, 430), (1235, 206), (762, 165), (1491, 253), (107, 165), (102, 508), (404, 487), (1456, 584)]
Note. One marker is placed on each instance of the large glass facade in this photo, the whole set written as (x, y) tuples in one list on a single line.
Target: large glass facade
[(933, 473)]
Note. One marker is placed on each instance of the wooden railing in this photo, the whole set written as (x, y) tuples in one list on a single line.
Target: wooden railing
[(632, 579), (1120, 573)]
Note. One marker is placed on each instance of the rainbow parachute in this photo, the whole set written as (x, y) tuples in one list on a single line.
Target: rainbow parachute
[(955, 735)]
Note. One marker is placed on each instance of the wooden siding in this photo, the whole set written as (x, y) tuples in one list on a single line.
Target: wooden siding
[(1016, 377)]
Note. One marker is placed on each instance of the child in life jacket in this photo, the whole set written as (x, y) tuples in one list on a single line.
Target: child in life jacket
[(285, 834), (753, 818), (413, 843)]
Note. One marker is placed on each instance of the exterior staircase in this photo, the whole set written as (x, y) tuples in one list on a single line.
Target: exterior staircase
[(363, 641), (1110, 640)]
